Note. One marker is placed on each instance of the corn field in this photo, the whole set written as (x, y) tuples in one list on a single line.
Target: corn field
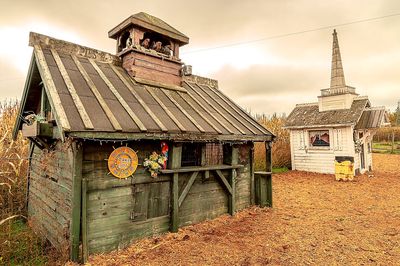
[(13, 164), (280, 147)]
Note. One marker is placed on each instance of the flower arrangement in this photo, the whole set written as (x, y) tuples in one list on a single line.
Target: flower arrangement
[(155, 163)]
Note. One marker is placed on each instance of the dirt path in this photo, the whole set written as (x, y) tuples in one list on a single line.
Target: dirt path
[(315, 220)]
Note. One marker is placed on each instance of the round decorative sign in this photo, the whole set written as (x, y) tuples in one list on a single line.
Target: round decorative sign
[(122, 162)]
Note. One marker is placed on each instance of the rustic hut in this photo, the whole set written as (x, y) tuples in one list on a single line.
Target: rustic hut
[(339, 127), (97, 124)]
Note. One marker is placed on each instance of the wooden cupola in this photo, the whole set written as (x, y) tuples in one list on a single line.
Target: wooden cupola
[(149, 48)]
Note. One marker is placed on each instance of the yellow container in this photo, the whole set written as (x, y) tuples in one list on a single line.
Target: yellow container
[(344, 170)]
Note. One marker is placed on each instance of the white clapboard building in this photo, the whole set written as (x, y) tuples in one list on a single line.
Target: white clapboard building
[(340, 125)]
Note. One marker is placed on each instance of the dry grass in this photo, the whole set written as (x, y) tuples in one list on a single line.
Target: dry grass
[(280, 147), (315, 221)]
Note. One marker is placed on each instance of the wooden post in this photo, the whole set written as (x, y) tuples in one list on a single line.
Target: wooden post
[(75, 159), (268, 163), (252, 185), (43, 102), (392, 141), (85, 248), (175, 162), (231, 197)]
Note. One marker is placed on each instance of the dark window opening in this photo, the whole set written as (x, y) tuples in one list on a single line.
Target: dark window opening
[(191, 154), (157, 42)]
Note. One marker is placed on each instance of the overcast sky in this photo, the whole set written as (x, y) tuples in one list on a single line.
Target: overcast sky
[(265, 76)]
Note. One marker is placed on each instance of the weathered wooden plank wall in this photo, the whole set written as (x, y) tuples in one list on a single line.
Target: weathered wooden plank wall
[(49, 198), (121, 211)]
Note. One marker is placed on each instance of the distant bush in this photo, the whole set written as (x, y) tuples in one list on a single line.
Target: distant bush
[(281, 146)]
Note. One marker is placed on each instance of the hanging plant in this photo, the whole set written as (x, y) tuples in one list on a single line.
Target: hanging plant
[(155, 163)]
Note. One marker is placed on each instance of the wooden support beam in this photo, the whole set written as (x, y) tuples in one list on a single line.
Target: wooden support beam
[(268, 151), (226, 109), (232, 199), (225, 182), (71, 88), (165, 108), (50, 87), (97, 94), (174, 161), (208, 111), (43, 102), (216, 109), (85, 242), (252, 187), (191, 119), (187, 188), (75, 160), (184, 95)]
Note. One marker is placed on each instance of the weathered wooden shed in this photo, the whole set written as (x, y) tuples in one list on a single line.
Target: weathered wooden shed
[(80, 105)]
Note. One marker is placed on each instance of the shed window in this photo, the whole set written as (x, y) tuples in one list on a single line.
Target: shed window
[(319, 138), (191, 154)]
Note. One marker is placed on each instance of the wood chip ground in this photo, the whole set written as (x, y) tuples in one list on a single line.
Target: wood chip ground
[(315, 221)]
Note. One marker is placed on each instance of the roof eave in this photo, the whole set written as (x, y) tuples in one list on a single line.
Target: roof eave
[(169, 136), (18, 124), (319, 126)]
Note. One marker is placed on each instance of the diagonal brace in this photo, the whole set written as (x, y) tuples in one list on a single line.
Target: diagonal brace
[(187, 188), (226, 183)]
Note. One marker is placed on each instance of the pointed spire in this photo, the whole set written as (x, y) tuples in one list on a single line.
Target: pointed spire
[(337, 74)]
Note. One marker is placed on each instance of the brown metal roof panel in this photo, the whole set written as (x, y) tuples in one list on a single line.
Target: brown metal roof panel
[(201, 109), (96, 113), (192, 113), (72, 113), (167, 121), (144, 94), (146, 119), (122, 116), (211, 110), (99, 83), (234, 113), (117, 83), (82, 89)]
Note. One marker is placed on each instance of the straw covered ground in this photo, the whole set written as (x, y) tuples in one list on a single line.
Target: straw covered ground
[(315, 220)]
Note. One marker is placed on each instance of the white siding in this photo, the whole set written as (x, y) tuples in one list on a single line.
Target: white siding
[(306, 158)]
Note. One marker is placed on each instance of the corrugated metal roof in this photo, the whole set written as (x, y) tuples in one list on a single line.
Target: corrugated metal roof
[(91, 95), (310, 116)]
